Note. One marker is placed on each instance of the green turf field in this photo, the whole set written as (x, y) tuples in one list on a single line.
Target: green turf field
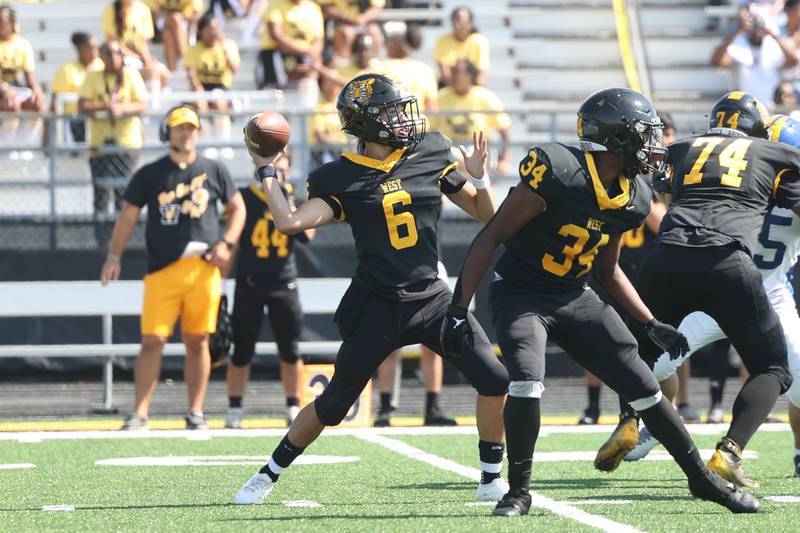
[(386, 481)]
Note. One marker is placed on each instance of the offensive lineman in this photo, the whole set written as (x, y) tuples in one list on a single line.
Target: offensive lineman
[(390, 194), (775, 256), (723, 183), (573, 206)]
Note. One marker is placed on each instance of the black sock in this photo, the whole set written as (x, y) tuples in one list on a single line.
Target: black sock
[(683, 404), (491, 456), (234, 401), (522, 419), (752, 405), (716, 388), (292, 401), (594, 397), (386, 402), (666, 426), (282, 457), (431, 402), (625, 410)]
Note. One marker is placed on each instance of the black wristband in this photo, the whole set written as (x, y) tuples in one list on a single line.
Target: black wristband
[(266, 171), (230, 245)]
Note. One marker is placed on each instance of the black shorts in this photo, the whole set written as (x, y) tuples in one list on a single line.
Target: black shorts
[(273, 67), (372, 326), (724, 283), (590, 331), (284, 313), (213, 87)]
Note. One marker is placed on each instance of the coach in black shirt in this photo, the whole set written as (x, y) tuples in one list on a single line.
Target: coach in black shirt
[(185, 252)]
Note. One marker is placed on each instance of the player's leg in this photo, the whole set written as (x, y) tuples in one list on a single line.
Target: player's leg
[(755, 331), (248, 313), (718, 368), (595, 327), (386, 377), (286, 320), (432, 368), (487, 375), (592, 412), (680, 397), (368, 326)]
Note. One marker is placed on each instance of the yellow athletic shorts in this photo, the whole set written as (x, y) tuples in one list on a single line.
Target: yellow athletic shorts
[(189, 288)]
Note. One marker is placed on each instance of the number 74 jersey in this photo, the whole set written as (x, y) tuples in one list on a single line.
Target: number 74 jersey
[(723, 186)]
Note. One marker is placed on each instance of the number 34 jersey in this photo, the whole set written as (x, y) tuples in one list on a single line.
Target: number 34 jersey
[(393, 208), (723, 186), (555, 251)]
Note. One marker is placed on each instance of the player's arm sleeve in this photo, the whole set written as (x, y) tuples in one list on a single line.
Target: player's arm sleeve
[(135, 192), (316, 189), (535, 172), (450, 179)]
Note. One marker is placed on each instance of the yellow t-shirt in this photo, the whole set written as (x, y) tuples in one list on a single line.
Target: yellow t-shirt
[(302, 23), (209, 63), (69, 79), (416, 77), (125, 131), (16, 58), (187, 7), (352, 70), (138, 25), (460, 127), (325, 120), (475, 48), (351, 8)]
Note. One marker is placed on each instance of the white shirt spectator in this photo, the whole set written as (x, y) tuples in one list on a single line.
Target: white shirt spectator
[(756, 69)]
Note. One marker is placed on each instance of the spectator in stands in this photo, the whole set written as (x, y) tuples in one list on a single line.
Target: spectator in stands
[(211, 64), (364, 59), (785, 95), (70, 77), (463, 94), (185, 252), (19, 88), (266, 276), (114, 96), (415, 76), (175, 18), (756, 54), (350, 19), (324, 126), (464, 43), (130, 23), (291, 44)]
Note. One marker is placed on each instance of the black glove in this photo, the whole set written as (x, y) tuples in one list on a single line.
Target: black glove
[(668, 338), (456, 334)]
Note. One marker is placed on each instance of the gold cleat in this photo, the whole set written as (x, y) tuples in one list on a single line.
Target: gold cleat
[(619, 444), (727, 462)]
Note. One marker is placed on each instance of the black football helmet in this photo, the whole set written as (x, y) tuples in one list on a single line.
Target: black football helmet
[(742, 112), (624, 123), (373, 108)]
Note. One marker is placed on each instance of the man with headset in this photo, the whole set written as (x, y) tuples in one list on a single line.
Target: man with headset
[(185, 252)]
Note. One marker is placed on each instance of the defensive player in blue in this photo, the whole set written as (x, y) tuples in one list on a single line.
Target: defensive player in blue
[(775, 256)]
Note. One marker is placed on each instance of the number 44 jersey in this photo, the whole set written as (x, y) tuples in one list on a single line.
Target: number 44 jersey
[(722, 186), (393, 208), (555, 251)]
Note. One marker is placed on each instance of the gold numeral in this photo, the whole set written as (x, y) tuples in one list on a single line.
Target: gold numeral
[(262, 239), (531, 168), (695, 175), (395, 220), (733, 158), (585, 259)]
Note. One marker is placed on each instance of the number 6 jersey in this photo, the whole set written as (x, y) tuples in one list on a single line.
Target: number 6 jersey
[(722, 186), (393, 209), (556, 250)]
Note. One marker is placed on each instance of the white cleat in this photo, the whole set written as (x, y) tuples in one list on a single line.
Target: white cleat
[(492, 491), (233, 420), (255, 490), (646, 443)]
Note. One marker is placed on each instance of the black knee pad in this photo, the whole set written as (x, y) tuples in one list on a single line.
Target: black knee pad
[(289, 352), (330, 413), (239, 359), (494, 383), (783, 375)]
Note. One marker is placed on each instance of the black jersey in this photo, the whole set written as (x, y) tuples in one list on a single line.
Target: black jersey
[(555, 251), (393, 209), (723, 186), (265, 252)]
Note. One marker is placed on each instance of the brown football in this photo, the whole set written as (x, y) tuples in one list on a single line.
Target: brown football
[(267, 133)]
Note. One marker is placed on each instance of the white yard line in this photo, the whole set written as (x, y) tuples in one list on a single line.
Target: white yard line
[(556, 507)]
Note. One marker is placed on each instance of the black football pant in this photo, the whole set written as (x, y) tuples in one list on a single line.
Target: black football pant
[(372, 326), (724, 283)]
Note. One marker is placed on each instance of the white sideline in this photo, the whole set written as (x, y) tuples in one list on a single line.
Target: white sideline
[(556, 507)]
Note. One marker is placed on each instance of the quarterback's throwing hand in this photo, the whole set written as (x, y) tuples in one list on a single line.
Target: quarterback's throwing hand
[(475, 162), (456, 334), (668, 338)]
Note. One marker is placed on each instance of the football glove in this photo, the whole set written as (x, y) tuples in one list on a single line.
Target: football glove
[(456, 334), (667, 338)]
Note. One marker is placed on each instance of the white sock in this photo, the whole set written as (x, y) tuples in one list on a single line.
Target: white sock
[(274, 467)]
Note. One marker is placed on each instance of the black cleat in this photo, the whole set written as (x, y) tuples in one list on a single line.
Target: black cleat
[(713, 488), (589, 417), (435, 417), (384, 419), (513, 504)]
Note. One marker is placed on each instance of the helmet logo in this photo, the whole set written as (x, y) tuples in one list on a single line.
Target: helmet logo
[(735, 95), (359, 92), (580, 126)]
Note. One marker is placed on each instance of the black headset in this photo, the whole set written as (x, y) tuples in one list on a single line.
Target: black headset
[(163, 128)]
